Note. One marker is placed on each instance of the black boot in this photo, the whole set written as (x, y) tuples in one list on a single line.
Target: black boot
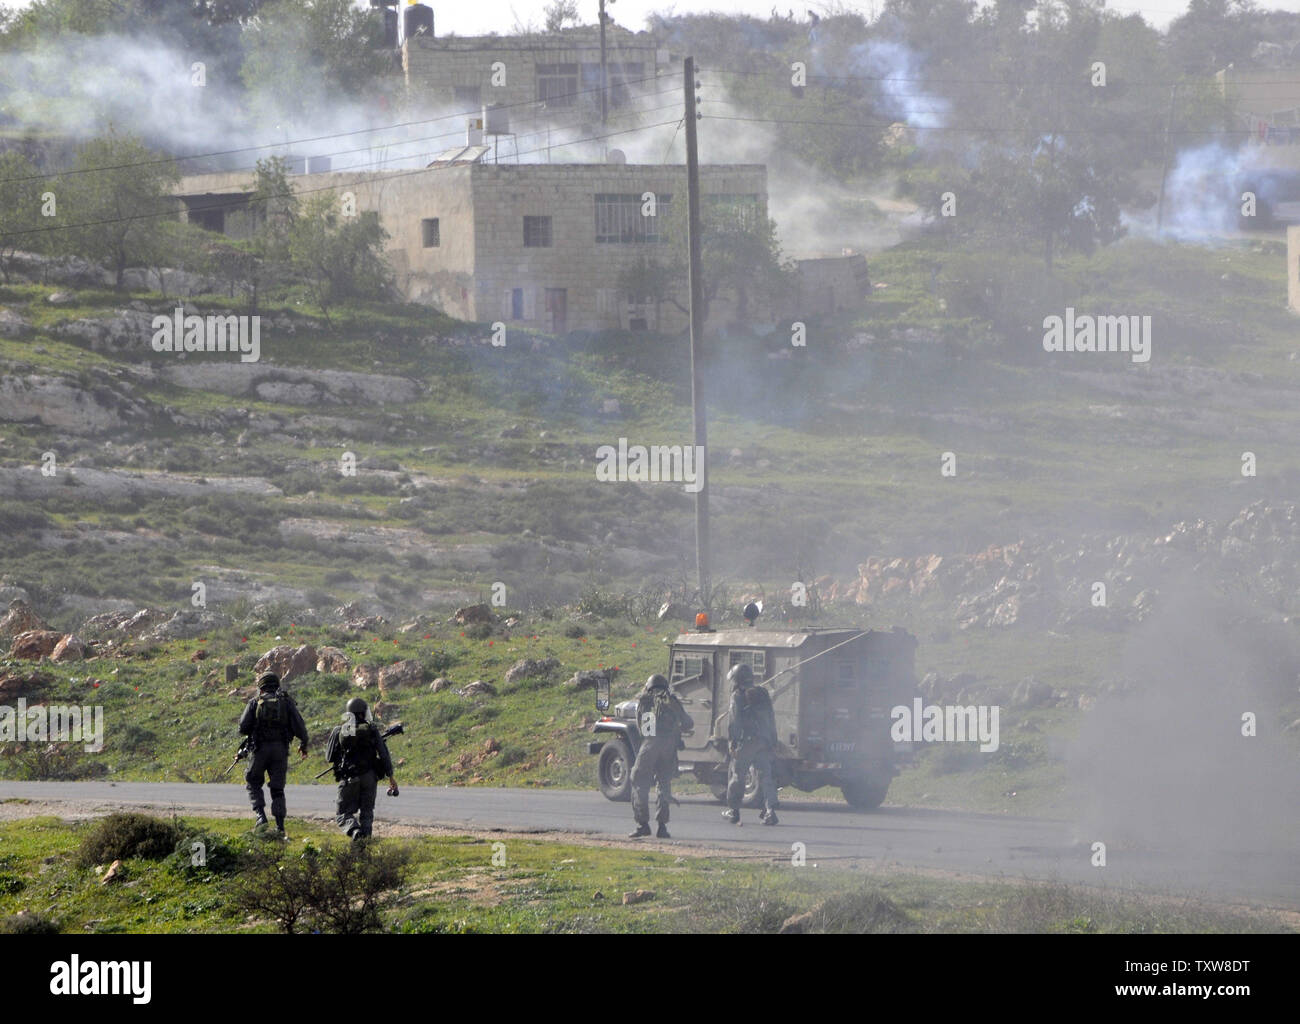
[(732, 814), (641, 830), (261, 817), (279, 826), (768, 818), (662, 833)]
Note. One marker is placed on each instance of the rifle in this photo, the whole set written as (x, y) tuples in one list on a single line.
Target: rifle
[(392, 730), (245, 748)]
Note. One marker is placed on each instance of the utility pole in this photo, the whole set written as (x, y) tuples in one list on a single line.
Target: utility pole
[(696, 304), (604, 80), (1164, 167)]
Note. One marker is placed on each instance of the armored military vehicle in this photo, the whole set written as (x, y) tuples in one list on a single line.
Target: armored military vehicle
[(832, 690)]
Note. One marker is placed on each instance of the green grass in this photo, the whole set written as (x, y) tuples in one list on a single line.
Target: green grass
[(463, 884)]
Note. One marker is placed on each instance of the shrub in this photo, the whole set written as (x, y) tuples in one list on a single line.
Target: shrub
[(27, 922), (126, 834), (219, 856), (339, 890)]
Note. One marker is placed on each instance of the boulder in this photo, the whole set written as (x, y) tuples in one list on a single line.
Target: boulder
[(20, 619), (400, 674), (331, 659), (589, 679), (478, 687), (287, 662), (13, 685), (365, 676), (473, 614), (12, 325), (530, 668), (440, 684), (35, 644), (637, 896), (69, 648)]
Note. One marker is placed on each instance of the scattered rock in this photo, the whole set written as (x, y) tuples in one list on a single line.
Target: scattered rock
[(69, 648), (13, 685), (797, 924), (35, 644), (473, 614), (589, 679), (12, 325), (529, 668), (331, 659), (440, 684), (287, 662), (113, 874), (477, 687), (20, 619), (403, 673), (491, 746), (638, 896), (365, 676)]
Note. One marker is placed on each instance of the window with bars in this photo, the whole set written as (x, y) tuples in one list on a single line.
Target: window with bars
[(756, 660), (430, 234), (537, 232), (619, 219), (557, 84), (739, 209)]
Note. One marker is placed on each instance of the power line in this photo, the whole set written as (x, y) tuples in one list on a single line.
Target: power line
[(334, 135), (383, 176)]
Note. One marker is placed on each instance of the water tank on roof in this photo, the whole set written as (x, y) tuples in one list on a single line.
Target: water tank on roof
[(418, 20), (496, 120)]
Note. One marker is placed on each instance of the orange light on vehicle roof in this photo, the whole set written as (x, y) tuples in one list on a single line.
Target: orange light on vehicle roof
[(702, 620)]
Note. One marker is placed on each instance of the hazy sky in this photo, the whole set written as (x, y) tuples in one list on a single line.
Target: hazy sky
[(499, 15)]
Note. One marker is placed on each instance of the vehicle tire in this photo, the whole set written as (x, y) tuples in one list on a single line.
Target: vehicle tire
[(753, 796), (614, 769), (865, 794)]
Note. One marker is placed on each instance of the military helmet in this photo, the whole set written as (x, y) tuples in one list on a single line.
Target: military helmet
[(740, 675), (357, 708), (656, 682), (268, 681)]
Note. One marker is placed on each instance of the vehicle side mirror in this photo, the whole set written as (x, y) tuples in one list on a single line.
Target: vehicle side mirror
[(602, 694)]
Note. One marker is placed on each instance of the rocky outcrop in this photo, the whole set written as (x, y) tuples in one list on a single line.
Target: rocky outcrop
[(287, 662)]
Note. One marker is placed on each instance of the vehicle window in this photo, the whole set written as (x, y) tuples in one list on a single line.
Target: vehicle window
[(756, 660)]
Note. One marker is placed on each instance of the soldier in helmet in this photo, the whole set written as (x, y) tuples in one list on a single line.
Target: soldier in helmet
[(271, 720), (661, 720), (751, 734), (360, 757)]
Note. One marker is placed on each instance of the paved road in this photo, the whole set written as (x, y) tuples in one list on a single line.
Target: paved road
[(981, 844)]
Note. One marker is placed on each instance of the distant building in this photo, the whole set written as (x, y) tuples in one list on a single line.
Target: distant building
[(827, 285), (1265, 102), (536, 245)]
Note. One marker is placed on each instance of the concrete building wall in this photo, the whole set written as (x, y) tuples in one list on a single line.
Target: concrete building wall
[(1293, 268), (828, 284), (444, 74), (480, 259), (586, 271)]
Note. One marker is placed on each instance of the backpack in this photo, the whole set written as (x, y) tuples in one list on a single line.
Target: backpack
[(360, 749), (272, 715), (759, 721)]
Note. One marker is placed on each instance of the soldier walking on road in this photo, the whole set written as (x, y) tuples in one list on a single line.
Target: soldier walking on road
[(271, 720), (661, 720), (360, 757), (751, 734)]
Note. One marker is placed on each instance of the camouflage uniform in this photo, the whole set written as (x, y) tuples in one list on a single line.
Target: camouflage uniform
[(270, 759), (358, 772), (751, 732), (656, 760)]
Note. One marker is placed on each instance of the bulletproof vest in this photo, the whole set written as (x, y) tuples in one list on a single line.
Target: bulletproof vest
[(360, 751), (272, 716), (756, 714)]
